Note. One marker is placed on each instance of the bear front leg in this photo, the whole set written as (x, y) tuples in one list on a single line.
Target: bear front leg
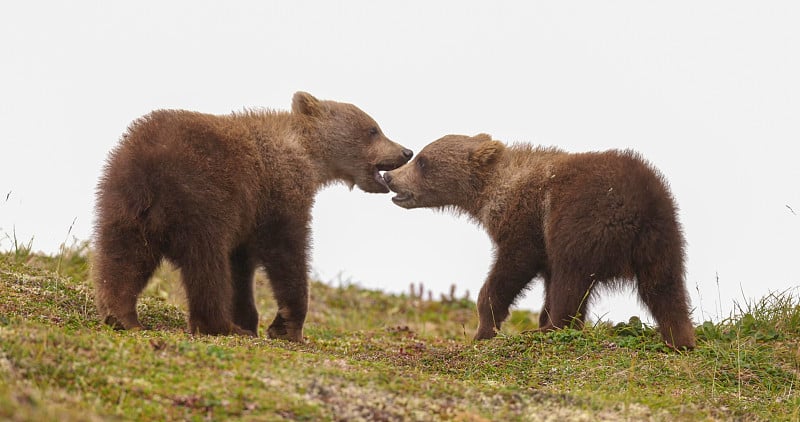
[(513, 269), (285, 260), (290, 287)]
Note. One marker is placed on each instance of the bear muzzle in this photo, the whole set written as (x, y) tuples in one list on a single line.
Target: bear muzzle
[(388, 165), (403, 199)]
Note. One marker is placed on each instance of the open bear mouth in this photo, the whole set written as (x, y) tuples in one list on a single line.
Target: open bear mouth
[(377, 175), (401, 198)]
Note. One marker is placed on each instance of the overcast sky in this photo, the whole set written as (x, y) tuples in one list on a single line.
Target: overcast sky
[(707, 91)]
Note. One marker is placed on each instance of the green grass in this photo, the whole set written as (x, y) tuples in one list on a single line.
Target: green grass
[(373, 356)]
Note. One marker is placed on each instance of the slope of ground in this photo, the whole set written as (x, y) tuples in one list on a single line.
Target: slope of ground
[(372, 356)]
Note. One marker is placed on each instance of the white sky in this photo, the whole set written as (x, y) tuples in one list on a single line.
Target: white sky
[(708, 91)]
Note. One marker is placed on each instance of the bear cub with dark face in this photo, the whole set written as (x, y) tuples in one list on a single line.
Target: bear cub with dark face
[(219, 196), (578, 221)]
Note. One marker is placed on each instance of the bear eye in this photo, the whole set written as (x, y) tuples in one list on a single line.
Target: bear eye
[(373, 131), (421, 163)]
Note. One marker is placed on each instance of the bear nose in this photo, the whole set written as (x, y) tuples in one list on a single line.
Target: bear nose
[(407, 153), (387, 177)]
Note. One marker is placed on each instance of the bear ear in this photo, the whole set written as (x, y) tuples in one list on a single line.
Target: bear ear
[(483, 137), (305, 103), (488, 152)]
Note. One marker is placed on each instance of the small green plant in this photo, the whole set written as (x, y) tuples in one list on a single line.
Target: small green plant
[(20, 251)]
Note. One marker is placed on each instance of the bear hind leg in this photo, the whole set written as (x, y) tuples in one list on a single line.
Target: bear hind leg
[(544, 315), (245, 314), (667, 300), (567, 300), (658, 265), (206, 278), (122, 266)]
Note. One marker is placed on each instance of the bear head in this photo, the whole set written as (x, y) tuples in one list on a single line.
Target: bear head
[(351, 144), (450, 171)]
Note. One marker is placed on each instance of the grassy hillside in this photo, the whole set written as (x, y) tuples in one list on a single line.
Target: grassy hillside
[(373, 356)]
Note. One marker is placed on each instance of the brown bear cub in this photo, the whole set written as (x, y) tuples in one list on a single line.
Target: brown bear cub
[(576, 220), (220, 195)]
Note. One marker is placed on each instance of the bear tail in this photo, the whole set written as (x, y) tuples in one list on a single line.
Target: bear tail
[(126, 193)]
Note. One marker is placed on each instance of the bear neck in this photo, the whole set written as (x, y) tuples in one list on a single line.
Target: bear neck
[(473, 208), (487, 191), (318, 152)]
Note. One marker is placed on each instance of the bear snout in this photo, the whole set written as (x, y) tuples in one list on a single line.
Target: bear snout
[(389, 178), (387, 165), (403, 197), (395, 160)]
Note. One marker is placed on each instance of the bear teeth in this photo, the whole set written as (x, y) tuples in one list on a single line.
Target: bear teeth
[(378, 176)]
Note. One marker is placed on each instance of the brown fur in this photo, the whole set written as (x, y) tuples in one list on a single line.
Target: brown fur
[(220, 195), (576, 220)]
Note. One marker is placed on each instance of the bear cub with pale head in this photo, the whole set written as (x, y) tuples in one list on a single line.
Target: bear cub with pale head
[(579, 221), (220, 195)]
